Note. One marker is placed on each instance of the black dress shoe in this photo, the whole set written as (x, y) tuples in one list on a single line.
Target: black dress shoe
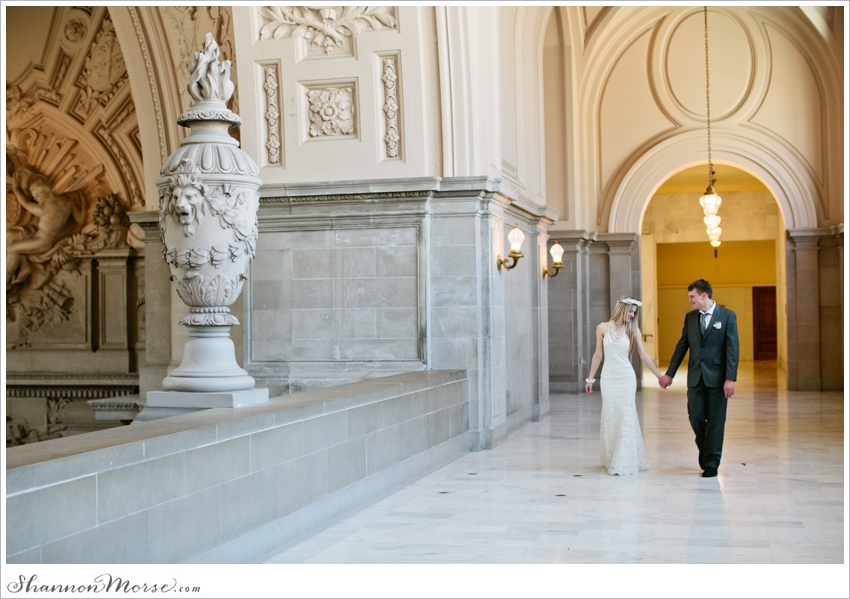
[(709, 472)]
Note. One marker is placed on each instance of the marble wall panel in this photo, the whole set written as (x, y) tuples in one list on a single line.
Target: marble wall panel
[(342, 295)]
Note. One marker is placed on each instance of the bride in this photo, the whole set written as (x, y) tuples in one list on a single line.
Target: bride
[(620, 442)]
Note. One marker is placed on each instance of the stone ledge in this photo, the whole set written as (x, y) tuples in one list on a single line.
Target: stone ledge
[(37, 465), (224, 485)]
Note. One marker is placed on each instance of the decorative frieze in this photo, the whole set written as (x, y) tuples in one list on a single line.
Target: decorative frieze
[(389, 77), (272, 114), (325, 28), (352, 197)]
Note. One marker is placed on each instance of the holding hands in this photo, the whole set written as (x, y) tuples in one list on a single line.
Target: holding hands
[(665, 381)]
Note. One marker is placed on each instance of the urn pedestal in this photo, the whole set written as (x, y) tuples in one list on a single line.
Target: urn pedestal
[(208, 201)]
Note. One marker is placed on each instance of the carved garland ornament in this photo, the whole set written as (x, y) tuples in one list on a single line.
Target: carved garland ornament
[(324, 27), (272, 115), (391, 109)]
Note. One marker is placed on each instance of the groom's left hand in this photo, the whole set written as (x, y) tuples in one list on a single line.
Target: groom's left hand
[(729, 388)]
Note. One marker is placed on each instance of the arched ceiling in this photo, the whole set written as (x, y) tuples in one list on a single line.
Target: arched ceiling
[(26, 31), (695, 180)]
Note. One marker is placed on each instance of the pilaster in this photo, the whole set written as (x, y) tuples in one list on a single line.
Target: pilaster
[(568, 312), (804, 330), (157, 294)]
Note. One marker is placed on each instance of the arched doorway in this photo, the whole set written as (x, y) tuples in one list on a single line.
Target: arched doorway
[(747, 270)]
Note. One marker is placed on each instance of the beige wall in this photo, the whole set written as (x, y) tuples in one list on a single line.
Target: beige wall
[(743, 265)]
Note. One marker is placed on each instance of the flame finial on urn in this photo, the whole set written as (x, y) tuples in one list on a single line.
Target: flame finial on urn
[(210, 78)]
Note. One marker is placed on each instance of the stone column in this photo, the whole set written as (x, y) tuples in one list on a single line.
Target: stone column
[(466, 302), (568, 312), (623, 275), (831, 311), (157, 293), (540, 320), (804, 334), (113, 284)]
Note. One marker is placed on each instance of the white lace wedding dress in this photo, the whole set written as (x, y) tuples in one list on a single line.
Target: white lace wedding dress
[(620, 443)]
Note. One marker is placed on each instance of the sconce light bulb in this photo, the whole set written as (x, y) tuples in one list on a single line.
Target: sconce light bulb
[(516, 237), (557, 253)]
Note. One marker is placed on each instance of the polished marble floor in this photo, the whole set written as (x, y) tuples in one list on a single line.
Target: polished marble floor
[(543, 498)]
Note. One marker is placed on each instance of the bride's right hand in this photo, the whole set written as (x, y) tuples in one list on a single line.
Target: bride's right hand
[(588, 387)]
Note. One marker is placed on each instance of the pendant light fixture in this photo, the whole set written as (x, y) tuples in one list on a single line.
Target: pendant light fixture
[(710, 201)]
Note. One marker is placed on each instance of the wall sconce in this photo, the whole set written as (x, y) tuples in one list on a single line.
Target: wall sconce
[(557, 253), (515, 237)]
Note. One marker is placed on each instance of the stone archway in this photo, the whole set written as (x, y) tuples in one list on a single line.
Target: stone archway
[(788, 180), (809, 349)]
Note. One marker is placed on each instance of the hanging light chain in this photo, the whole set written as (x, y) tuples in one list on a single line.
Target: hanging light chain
[(708, 99)]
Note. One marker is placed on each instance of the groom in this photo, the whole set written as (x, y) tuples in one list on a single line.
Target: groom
[(711, 335)]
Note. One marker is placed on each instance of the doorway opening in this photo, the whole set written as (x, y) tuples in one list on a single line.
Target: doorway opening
[(747, 271)]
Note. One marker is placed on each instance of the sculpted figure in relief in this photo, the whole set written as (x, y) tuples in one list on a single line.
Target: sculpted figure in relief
[(54, 212)]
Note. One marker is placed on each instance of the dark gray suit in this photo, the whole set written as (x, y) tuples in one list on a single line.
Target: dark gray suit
[(713, 361)]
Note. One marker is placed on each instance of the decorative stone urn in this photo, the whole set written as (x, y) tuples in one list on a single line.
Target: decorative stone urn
[(208, 200)]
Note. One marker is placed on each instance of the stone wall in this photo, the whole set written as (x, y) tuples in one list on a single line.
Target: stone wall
[(599, 268), (231, 485), (356, 280)]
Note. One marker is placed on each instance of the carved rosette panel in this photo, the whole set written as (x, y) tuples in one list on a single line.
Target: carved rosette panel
[(272, 114), (325, 29), (331, 111), (389, 77), (209, 195)]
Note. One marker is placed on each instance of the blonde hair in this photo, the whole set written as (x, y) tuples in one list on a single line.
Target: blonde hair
[(621, 308)]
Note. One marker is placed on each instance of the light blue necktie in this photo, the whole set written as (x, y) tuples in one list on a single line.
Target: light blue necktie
[(705, 317)]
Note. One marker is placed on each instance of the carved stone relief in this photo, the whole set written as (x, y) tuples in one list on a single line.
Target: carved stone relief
[(331, 111), (86, 81), (389, 76), (325, 28), (272, 114), (21, 106), (55, 216), (43, 406), (104, 72), (75, 30)]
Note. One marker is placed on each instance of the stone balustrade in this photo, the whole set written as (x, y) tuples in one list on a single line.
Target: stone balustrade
[(231, 485)]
